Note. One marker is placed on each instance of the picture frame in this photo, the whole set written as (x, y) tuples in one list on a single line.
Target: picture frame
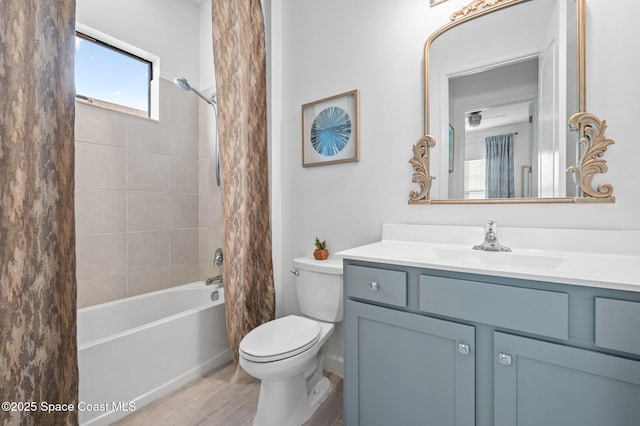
[(434, 2), (451, 147), (331, 130)]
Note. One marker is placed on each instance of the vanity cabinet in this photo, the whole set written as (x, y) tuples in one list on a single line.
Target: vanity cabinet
[(403, 368), (541, 383), (433, 347), (407, 369)]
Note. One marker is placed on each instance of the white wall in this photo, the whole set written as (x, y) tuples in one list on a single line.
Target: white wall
[(205, 59), (166, 28), (376, 46)]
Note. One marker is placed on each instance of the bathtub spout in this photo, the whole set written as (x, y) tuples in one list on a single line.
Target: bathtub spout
[(216, 279)]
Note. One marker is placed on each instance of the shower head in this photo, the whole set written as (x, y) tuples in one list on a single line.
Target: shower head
[(182, 83)]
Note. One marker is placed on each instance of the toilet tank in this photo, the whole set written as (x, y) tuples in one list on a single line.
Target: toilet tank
[(319, 285)]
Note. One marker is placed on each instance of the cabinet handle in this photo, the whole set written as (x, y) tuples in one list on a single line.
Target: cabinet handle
[(373, 286), (464, 348), (504, 359)]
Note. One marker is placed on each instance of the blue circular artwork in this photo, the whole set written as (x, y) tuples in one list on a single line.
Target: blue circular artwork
[(330, 131)]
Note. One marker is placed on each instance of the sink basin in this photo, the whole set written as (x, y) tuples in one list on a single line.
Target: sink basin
[(468, 256)]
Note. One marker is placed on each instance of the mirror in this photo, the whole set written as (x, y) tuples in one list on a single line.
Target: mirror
[(502, 80)]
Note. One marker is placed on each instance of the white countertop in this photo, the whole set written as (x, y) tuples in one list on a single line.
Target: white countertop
[(604, 259)]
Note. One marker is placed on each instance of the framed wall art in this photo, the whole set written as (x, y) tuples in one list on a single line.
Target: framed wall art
[(330, 130)]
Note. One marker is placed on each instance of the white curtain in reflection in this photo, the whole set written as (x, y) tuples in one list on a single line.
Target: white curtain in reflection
[(499, 172)]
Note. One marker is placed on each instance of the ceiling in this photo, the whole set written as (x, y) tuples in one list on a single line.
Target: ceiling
[(500, 116)]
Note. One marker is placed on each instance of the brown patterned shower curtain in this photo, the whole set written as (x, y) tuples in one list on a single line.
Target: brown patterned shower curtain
[(240, 69), (38, 358)]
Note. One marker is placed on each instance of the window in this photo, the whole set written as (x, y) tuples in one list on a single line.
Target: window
[(112, 77), (474, 179)]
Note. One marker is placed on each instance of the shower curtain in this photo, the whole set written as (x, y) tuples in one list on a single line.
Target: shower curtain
[(240, 69), (38, 359), (499, 166)]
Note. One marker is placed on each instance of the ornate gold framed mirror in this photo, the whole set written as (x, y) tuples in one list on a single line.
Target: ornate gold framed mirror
[(505, 97)]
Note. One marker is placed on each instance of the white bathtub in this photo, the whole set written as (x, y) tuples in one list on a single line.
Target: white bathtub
[(135, 350)]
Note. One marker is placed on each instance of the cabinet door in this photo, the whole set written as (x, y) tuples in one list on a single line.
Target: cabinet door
[(407, 369), (541, 383)]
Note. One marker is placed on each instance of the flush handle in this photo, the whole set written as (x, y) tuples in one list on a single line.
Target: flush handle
[(504, 359), (373, 286)]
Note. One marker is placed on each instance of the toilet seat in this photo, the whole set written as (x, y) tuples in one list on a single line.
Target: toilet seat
[(279, 339)]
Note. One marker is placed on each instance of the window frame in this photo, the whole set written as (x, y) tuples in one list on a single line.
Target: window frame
[(133, 52)]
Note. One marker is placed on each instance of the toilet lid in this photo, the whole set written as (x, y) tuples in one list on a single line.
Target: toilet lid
[(280, 338)]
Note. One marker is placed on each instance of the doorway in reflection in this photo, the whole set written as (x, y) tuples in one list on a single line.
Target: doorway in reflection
[(500, 103), (498, 152)]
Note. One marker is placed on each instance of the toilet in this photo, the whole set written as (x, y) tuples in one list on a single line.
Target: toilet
[(287, 354)]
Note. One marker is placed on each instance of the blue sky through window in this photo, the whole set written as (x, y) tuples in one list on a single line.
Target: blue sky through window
[(106, 74)]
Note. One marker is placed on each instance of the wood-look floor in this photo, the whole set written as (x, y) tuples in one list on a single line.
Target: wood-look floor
[(214, 400)]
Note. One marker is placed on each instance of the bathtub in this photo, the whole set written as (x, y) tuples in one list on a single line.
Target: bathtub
[(135, 350)]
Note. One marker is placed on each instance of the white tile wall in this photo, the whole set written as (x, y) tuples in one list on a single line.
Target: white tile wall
[(186, 273), (184, 175), (184, 246), (101, 256), (184, 211), (148, 250), (183, 135), (93, 125), (184, 110), (138, 208), (205, 206), (148, 171), (167, 89), (149, 135), (102, 290), (148, 211), (146, 281), (99, 166), (100, 211)]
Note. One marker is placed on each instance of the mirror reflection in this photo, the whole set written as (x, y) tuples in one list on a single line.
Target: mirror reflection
[(501, 90), (496, 158)]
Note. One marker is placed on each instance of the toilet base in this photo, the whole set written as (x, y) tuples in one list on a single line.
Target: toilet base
[(287, 403), (319, 394)]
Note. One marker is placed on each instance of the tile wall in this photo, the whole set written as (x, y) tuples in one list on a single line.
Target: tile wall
[(145, 213), (210, 201)]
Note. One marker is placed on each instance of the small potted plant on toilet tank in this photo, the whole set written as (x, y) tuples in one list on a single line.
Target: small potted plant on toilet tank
[(321, 252)]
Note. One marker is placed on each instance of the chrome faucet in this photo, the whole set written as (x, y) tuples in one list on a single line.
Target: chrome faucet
[(490, 239), (218, 260), (212, 280)]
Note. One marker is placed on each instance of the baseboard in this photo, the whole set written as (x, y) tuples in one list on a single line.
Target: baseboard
[(334, 364)]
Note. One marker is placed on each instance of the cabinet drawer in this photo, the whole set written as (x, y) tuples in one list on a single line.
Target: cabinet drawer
[(532, 311), (377, 285), (617, 325)]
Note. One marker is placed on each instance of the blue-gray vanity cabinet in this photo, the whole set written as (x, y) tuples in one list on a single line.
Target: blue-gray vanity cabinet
[(407, 369), (545, 313), (617, 325), (542, 383), (540, 353)]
